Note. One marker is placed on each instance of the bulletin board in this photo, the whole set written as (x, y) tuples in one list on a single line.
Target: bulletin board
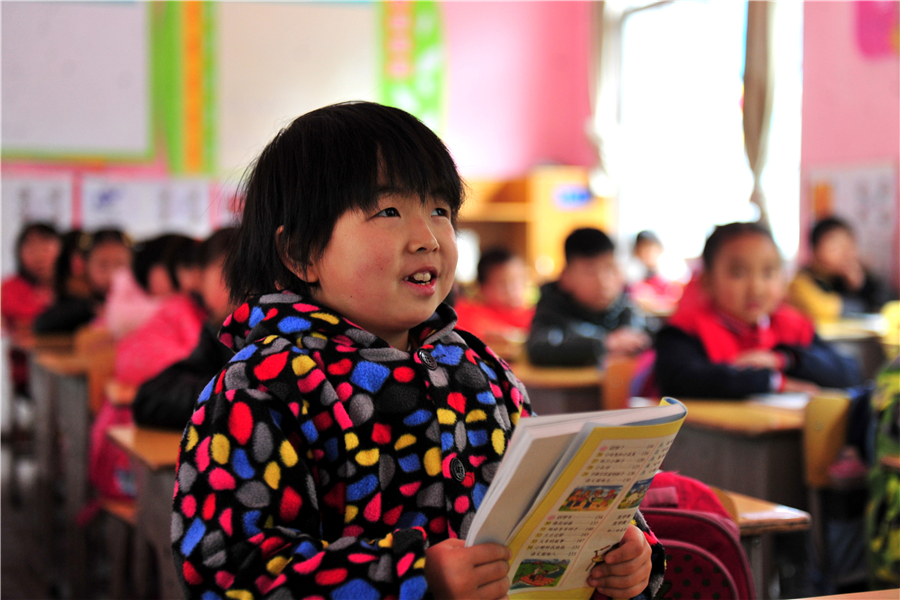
[(75, 80), (864, 196)]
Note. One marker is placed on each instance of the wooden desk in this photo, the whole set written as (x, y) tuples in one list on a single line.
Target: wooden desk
[(757, 520), (744, 447), (554, 390), (156, 454), (863, 339), (892, 594)]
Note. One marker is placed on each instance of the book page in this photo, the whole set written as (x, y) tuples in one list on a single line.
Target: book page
[(587, 510)]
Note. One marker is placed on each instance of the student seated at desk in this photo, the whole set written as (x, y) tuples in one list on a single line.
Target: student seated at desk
[(835, 284), (653, 283), (108, 250), (27, 294), (738, 338), (586, 313), (500, 314), (167, 400)]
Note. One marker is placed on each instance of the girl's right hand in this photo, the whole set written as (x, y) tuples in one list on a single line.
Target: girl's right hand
[(798, 385), (456, 572)]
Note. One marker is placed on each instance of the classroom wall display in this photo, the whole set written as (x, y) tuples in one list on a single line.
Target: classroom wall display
[(865, 197), (32, 198), (878, 28), (412, 59), (75, 80), (277, 61), (145, 208)]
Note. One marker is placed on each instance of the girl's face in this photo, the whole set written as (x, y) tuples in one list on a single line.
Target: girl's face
[(835, 250), (38, 255), (104, 260), (746, 279), (388, 270)]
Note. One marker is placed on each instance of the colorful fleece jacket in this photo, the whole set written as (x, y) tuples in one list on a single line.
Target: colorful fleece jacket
[(321, 462)]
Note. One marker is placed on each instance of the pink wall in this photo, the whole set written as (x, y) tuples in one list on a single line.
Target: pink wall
[(851, 102), (517, 85)]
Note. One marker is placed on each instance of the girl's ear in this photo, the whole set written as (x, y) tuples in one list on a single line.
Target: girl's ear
[(307, 273)]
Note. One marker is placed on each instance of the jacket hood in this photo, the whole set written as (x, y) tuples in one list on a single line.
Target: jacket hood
[(301, 317)]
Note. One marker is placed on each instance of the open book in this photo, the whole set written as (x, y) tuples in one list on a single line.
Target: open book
[(567, 489)]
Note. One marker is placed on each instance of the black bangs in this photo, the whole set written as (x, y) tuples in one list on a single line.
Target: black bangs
[(327, 162)]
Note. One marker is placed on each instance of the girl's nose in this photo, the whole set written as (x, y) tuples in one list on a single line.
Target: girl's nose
[(422, 239)]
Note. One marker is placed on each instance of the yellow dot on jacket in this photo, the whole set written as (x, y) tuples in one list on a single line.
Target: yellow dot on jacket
[(499, 441), (350, 512), (220, 448), (351, 441), (387, 541), (407, 439), (288, 454), (433, 461), (476, 415), (325, 317), (270, 339), (302, 365), (367, 458), (446, 417), (419, 564), (273, 475), (239, 594), (277, 564), (514, 418), (192, 438)]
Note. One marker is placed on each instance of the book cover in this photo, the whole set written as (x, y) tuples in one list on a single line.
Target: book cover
[(566, 491)]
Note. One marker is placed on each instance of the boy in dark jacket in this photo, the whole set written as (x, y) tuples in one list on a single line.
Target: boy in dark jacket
[(167, 400), (585, 313)]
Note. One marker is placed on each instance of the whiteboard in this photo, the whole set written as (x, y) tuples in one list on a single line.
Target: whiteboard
[(75, 79), (277, 61)]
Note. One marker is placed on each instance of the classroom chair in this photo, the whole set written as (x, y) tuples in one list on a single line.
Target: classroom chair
[(824, 436), (615, 389)]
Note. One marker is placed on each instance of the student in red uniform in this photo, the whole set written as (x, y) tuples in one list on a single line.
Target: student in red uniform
[(739, 338), (344, 450), (28, 293), (499, 314)]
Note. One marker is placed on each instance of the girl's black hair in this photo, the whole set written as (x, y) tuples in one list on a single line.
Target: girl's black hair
[(587, 242), (105, 236), (327, 162), (74, 242), (216, 246), (826, 226), (725, 233), (170, 250), (646, 237), (39, 229)]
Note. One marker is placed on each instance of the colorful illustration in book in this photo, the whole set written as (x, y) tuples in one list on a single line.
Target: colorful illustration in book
[(636, 494), (539, 573), (591, 497)]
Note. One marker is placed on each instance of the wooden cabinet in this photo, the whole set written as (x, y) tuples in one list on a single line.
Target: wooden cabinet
[(533, 215)]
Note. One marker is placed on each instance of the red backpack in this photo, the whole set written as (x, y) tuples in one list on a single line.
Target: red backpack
[(704, 557)]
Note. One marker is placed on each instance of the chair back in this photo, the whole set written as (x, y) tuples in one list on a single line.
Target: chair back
[(824, 434), (616, 385)]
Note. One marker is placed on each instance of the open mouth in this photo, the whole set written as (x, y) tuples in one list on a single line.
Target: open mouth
[(421, 278)]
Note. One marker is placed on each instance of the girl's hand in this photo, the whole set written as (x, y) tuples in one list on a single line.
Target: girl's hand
[(625, 571), (477, 573), (626, 341), (760, 359)]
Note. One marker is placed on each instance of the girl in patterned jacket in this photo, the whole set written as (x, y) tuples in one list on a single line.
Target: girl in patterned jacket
[(344, 450)]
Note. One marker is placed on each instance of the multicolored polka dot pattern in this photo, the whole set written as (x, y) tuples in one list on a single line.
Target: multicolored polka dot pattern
[(320, 462)]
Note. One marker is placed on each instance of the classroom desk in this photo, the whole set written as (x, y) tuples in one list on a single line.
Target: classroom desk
[(862, 338), (892, 594), (155, 452), (757, 520), (68, 399), (554, 390), (744, 447)]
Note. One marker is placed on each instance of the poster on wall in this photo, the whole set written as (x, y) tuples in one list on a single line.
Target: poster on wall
[(25, 200), (865, 197), (145, 208)]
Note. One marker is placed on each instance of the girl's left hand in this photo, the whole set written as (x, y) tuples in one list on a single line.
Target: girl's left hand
[(625, 571)]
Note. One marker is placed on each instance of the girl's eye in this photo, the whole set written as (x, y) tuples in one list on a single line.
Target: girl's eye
[(440, 212), (389, 212)]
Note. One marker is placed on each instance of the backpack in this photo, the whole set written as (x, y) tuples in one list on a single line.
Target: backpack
[(704, 557)]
